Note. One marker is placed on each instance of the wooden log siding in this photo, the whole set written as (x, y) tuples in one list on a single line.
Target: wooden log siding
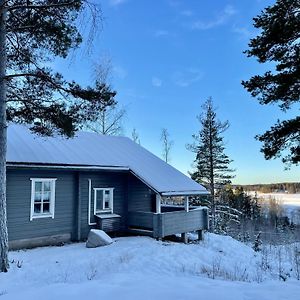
[(19, 201), (181, 221), (169, 223), (141, 220)]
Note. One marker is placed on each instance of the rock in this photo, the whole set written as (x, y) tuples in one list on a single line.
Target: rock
[(98, 238)]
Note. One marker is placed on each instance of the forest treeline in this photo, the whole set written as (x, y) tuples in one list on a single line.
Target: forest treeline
[(283, 187)]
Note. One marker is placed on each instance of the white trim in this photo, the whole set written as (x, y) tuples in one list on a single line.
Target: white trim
[(52, 202), (158, 203), (185, 193), (90, 204), (111, 200), (52, 199), (186, 204), (43, 179)]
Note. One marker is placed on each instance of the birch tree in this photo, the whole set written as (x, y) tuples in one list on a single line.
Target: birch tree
[(32, 34), (109, 121), (135, 136), (167, 144)]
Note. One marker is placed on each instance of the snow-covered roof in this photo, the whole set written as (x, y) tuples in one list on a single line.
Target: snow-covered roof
[(94, 150)]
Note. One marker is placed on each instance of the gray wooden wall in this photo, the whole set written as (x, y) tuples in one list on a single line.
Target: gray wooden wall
[(19, 203), (140, 196), (104, 179), (72, 190)]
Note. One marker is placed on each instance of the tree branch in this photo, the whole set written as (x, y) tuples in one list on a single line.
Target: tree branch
[(37, 7)]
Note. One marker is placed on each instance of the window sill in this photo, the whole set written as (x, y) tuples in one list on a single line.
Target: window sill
[(41, 216), (107, 216), (103, 211)]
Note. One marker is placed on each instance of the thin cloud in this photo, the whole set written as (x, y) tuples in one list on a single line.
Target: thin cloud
[(220, 19), (116, 2), (243, 32), (157, 82), (161, 32), (187, 13), (174, 3), (119, 72), (187, 77)]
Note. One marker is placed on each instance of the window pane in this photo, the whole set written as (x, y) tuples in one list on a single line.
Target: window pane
[(38, 186), (38, 197), (37, 208), (46, 196), (99, 200), (46, 207), (47, 186), (107, 199)]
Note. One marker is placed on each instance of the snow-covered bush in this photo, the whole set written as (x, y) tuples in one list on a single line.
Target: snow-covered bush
[(296, 260), (257, 243)]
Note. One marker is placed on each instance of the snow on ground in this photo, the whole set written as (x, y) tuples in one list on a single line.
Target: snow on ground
[(143, 268)]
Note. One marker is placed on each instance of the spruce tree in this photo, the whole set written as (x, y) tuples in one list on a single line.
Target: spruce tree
[(278, 46), (32, 34), (211, 163)]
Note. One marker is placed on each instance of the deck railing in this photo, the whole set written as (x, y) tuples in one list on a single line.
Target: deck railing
[(168, 223), (141, 220)]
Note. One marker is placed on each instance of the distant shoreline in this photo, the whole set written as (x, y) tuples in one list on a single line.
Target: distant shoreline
[(270, 188), (285, 198)]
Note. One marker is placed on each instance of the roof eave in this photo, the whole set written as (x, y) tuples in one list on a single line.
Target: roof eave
[(64, 167), (185, 193)]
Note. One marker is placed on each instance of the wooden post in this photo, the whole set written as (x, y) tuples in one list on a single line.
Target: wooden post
[(186, 203), (184, 238), (158, 203), (200, 235)]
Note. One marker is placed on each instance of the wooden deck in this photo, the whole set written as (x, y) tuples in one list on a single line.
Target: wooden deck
[(163, 224)]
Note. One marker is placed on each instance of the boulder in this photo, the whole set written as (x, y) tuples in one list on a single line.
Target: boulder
[(98, 238)]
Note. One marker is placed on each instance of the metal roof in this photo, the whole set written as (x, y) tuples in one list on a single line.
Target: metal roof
[(93, 150)]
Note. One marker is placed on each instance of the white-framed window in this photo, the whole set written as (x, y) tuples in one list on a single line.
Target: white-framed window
[(103, 200), (42, 198)]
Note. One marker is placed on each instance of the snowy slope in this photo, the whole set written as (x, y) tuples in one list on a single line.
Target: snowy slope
[(143, 268)]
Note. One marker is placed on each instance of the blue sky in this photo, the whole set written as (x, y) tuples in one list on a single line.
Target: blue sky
[(167, 57)]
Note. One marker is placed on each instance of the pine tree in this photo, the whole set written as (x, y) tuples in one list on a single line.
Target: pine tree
[(278, 43), (257, 243), (32, 34), (211, 163)]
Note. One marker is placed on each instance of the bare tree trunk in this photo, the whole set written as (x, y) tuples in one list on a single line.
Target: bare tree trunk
[(3, 144), (212, 181), (167, 144)]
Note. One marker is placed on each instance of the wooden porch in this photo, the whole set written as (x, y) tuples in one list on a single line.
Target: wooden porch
[(168, 220)]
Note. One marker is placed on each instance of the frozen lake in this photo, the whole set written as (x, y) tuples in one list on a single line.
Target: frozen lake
[(291, 203), (284, 198)]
